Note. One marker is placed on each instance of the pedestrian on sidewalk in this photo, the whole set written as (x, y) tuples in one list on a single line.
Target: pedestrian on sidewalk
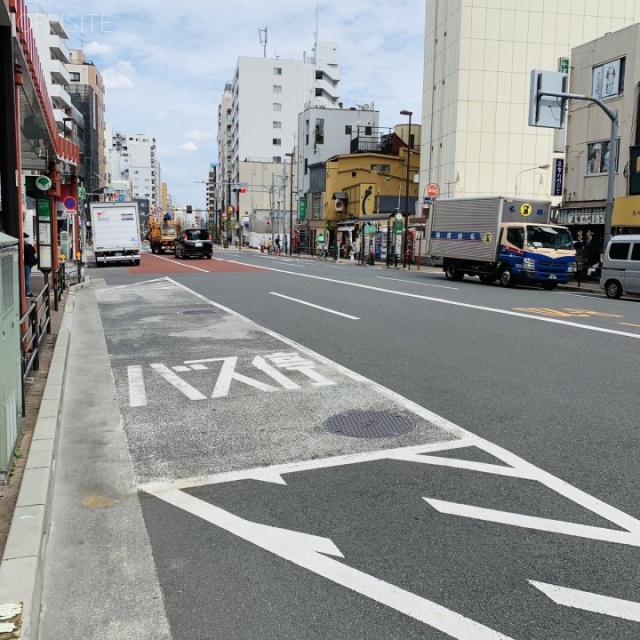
[(30, 261)]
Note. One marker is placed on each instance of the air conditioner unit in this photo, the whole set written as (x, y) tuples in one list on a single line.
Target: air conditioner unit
[(339, 205)]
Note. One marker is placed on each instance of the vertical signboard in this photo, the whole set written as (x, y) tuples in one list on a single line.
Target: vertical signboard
[(558, 176), (44, 239)]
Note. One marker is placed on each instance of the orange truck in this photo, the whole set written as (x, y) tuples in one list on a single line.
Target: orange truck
[(162, 235)]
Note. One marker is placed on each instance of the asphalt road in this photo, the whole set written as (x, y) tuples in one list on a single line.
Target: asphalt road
[(507, 510)]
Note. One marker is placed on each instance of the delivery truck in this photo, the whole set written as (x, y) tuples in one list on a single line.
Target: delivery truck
[(499, 238), (116, 232)]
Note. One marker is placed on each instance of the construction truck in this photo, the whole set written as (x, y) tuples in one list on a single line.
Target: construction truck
[(162, 234)]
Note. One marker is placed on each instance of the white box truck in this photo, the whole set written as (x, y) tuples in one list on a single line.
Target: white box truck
[(116, 232), (499, 238)]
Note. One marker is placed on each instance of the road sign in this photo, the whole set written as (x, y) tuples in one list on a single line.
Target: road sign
[(121, 198), (427, 201), (433, 190), (70, 203)]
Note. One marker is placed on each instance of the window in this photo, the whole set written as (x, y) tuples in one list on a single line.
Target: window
[(277, 106), (319, 131), (368, 131), (277, 159), (277, 71), (306, 165), (74, 76), (619, 250), (277, 88), (516, 237), (277, 142), (319, 75), (607, 80), (316, 206), (635, 252), (348, 129), (354, 174), (598, 157), (277, 124), (381, 168)]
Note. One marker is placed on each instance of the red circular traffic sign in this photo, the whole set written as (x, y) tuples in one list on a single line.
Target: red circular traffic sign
[(70, 202), (433, 190)]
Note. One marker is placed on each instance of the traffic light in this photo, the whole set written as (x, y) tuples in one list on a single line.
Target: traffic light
[(239, 190), (189, 209)]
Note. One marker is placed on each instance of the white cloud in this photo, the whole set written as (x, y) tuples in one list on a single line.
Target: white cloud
[(119, 76), (197, 134), (183, 55), (96, 48)]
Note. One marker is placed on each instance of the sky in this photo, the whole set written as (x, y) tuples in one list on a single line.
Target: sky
[(165, 64)]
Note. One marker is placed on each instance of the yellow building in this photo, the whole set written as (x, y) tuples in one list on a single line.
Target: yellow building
[(357, 185)]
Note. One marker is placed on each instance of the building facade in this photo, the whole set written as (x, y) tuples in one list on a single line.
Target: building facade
[(606, 68), (478, 59), (87, 92)]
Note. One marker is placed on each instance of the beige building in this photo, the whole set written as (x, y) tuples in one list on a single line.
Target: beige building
[(606, 68), (478, 59), (88, 94)]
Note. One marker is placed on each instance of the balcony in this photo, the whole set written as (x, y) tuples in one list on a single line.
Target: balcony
[(59, 73), (60, 97)]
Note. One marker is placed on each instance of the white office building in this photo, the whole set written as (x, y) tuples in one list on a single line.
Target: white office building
[(132, 157), (327, 132), (478, 57), (51, 40)]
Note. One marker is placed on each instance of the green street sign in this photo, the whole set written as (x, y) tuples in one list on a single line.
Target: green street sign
[(302, 209), (44, 209), (564, 65), (82, 193), (398, 225)]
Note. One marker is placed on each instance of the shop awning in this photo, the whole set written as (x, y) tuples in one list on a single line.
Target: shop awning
[(581, 215)]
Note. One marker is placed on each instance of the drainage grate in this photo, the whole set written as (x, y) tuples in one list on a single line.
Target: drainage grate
[(369, 424), (199, 312)]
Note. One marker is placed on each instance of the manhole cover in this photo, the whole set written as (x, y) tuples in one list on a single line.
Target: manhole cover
[(198, 312), (369, 424)]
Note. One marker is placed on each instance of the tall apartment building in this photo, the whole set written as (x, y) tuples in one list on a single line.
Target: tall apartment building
[(258, 120), (87, 91), (478, 59), (133, 158), (51, 40)]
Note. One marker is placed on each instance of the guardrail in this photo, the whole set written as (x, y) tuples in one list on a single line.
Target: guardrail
[(34, 325)]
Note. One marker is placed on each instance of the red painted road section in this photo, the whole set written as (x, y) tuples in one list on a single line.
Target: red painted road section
[(151, 264)]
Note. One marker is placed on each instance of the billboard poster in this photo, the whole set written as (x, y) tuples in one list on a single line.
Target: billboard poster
[(606, 80)]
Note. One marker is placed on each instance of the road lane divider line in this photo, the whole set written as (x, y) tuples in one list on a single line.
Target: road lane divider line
[(592, 602), (314, 306), (188, 266), (453, 303), (629, 324), (421, 284)]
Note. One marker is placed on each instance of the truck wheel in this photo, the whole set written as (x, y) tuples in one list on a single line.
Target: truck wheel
[(506, 277), (549, 286), (451, 273), (487, 278), (613, 289)]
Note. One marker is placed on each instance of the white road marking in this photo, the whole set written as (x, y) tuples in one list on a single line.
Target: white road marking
[(587, 601), (181, 369), (261, 364), (422, 284), (579, 295), (310, 552), (533, 522), (228, 373), (290, 263), (182, 264), (454, 463), (137, 391), (138, 284), (315, 306), (191, 392), (464, 305)]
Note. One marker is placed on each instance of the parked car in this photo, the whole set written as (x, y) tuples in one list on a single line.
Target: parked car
[(193, 242), (621, 267)]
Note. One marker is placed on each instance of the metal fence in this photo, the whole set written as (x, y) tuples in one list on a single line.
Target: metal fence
[(59, 285), (34, 325)]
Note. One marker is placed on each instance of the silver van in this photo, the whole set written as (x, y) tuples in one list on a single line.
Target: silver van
[(621, 266)]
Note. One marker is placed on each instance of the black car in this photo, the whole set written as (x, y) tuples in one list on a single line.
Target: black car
[(193, 242)]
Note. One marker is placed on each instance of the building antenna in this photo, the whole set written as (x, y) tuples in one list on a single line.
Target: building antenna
[(263, 40)]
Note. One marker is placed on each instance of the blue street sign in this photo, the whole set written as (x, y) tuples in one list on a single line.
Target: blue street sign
[(121, 198), (558, 176)]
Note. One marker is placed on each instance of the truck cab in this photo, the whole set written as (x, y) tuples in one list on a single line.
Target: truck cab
[(536, 253)]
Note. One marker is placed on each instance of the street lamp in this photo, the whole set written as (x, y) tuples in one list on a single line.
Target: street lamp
[(542, 166), (405, 261), (293, 159)]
